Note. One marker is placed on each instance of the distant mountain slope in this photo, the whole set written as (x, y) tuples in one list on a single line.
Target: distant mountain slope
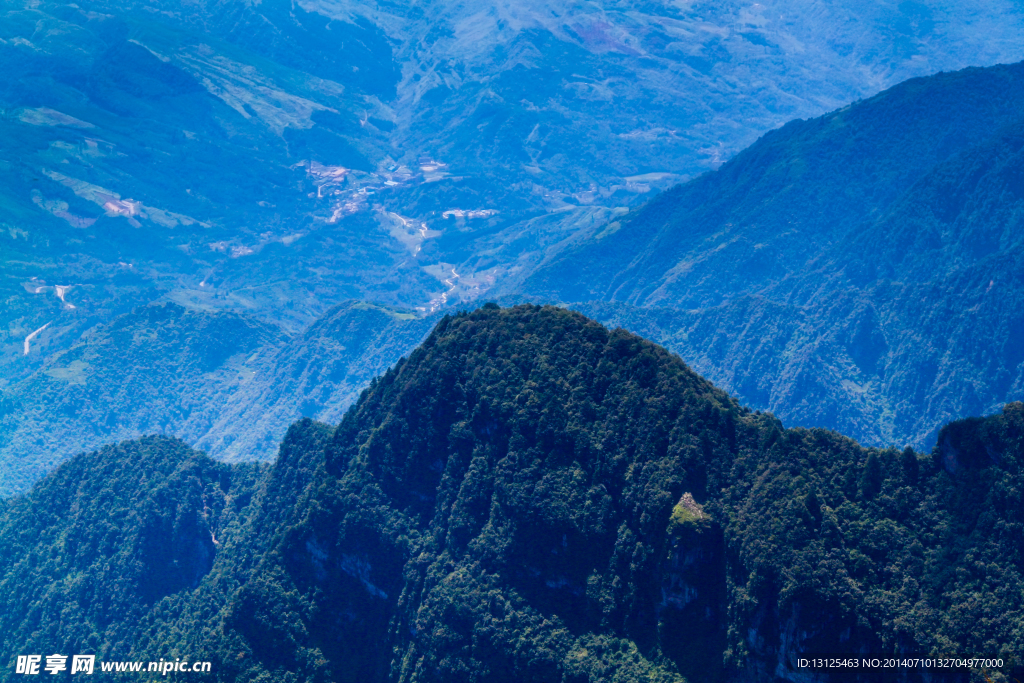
[(159, 368), (839, 270), (317, 374), (530, 496), (222, 381), (274, 159), (777, 206)]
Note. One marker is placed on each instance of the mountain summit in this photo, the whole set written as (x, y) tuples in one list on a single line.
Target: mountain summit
[(529, 496)]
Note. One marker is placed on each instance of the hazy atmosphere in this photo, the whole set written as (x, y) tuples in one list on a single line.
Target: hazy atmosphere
[(512, 340)]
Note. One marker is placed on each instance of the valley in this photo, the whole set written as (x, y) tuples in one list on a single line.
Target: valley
[(275, 161)]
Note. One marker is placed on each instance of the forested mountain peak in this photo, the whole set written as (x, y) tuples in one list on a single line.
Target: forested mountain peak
[(531, 496)]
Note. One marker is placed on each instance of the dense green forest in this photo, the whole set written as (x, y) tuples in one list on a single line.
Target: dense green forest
[(529, 496)]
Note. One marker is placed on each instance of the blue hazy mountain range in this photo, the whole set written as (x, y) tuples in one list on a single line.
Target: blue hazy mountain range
[(281, 157), (861, 270), (257, 165)]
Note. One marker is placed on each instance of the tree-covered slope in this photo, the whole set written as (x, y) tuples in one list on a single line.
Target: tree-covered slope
[(531, 496), (104, 538), (784, 200), (316, 374), (224, 382), (837, 272)]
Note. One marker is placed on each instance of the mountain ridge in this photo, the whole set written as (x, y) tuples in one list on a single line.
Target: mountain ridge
[(928, 120), (831, 283), (533, 496)]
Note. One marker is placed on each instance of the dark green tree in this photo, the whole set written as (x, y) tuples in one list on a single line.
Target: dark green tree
[(871, 478), (911, 468)]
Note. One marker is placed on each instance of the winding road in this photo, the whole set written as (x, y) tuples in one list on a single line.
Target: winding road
[(32, 336)]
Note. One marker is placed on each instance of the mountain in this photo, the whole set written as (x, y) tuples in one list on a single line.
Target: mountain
[(278, 158), (838, 271), (788, 276), (529, 496), (109, 537), (226, 382), (317, 374)]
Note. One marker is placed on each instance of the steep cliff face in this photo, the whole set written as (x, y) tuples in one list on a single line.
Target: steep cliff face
[(531, 496), (693, 612)]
